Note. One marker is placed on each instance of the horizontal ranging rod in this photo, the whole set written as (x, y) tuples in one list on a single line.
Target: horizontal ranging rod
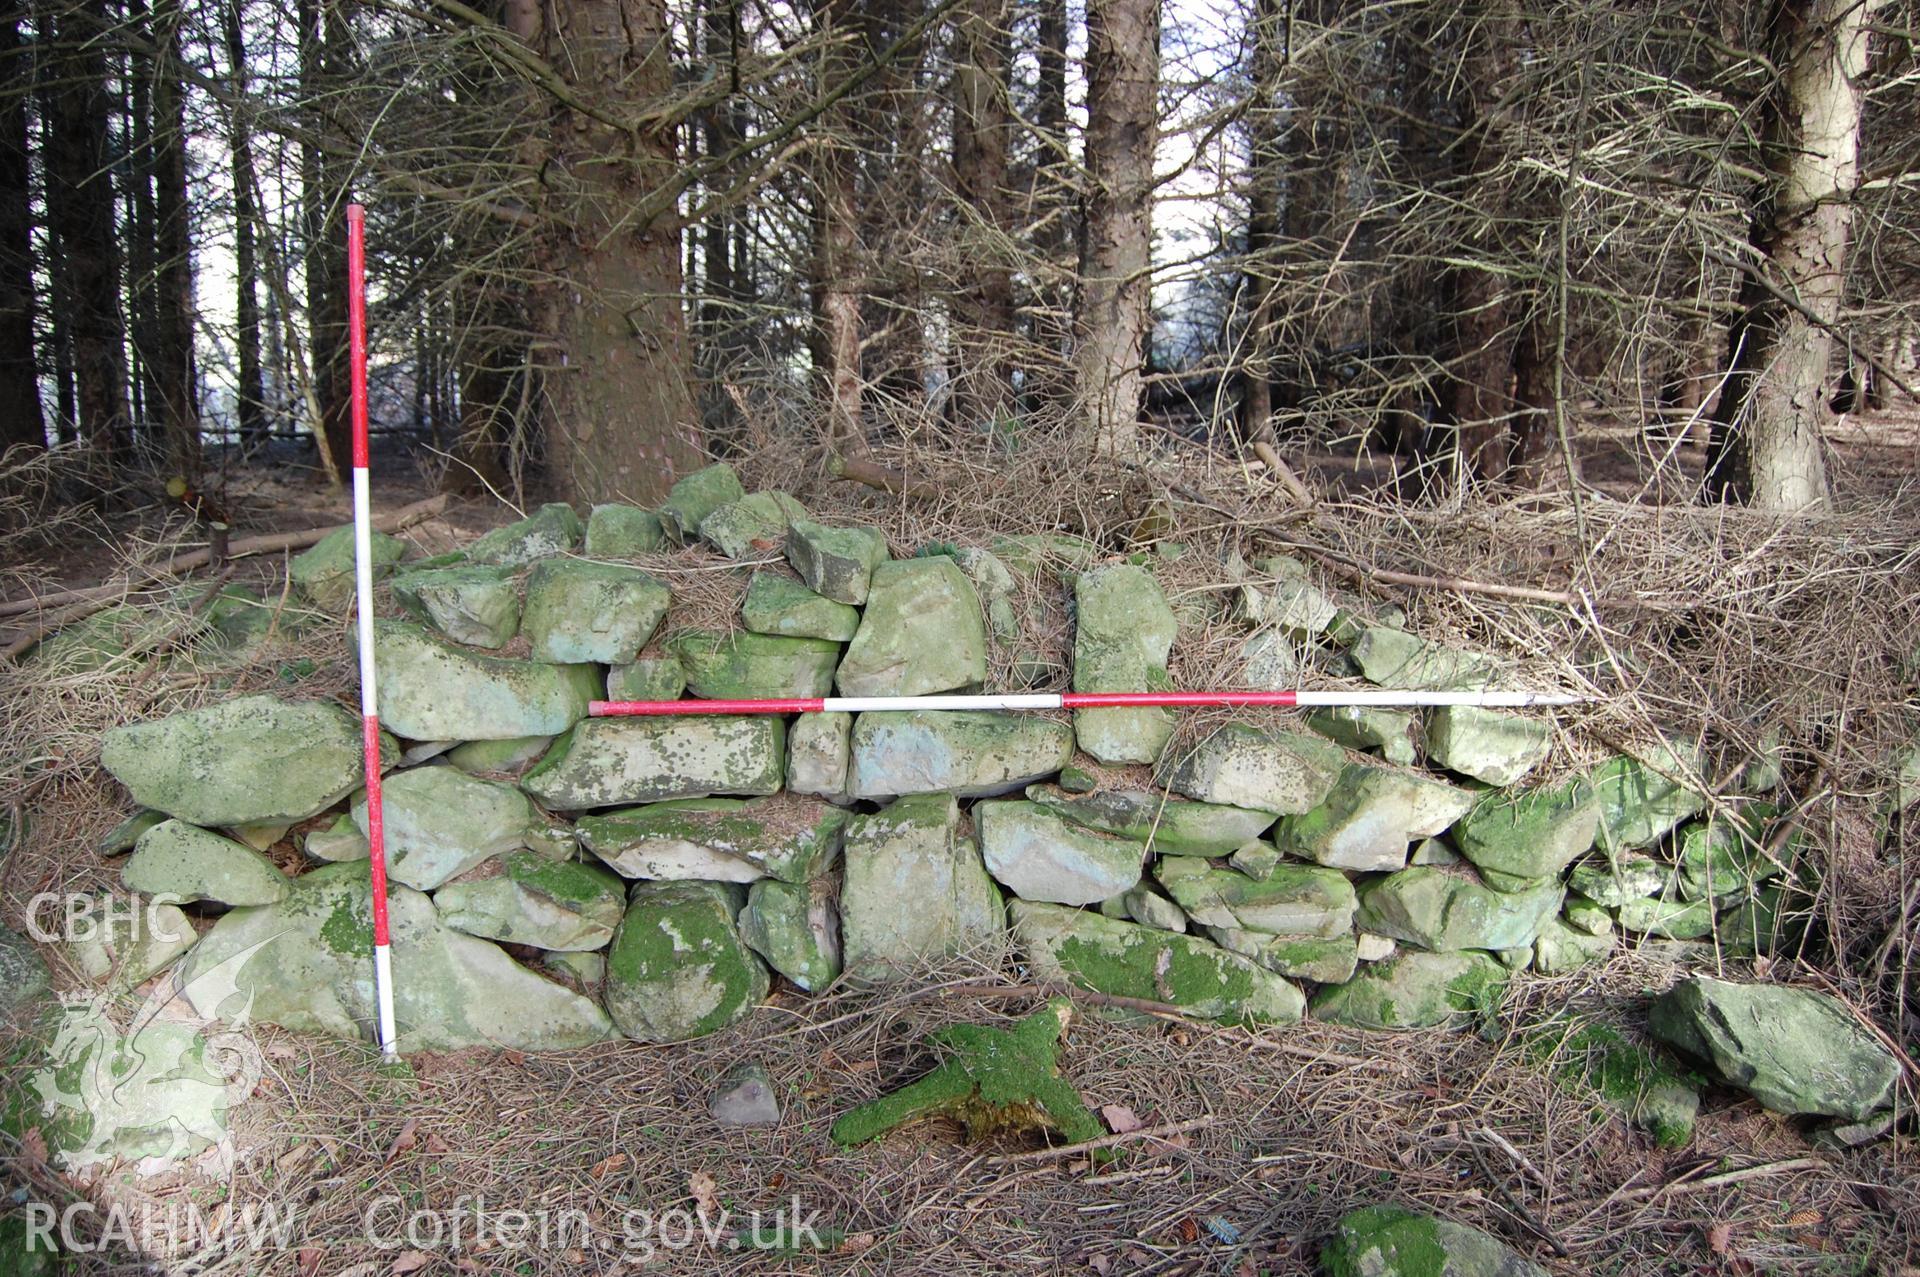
[(1075, 700)]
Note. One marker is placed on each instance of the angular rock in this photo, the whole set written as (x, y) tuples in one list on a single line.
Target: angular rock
[(1794, 1050), (1614, 882), (678, 968), (474, 605), (753, 526), (1560, 948), (23, 974), (1446, 909), (781, 606), (1389, 1241), (836, 563), (719, 839), (1298, 900), (1371, 818), (1394, 732), (745, 1098), (819, 754), (1040, 856), (608, 761), (1122, 959), (1533, 834), (696, 496), (1278, 771), (342, 840), (996, 586), (921, 632), (526, 898), (965, 752), (1395, 658), (183, 864), (1255, 860), (122, 942), (260, 836), (324, 571), (1433, 851), (1368, 947), (579, 612), (1169, 826), (796, 928), (1271, 662), (1122, 633), (1668, 919), (551, 530), (747, 665), (1327, 960), (440, 822), (1149, 908), (1413, 989), (430, 690), (915, 890), (1726, 856), (124, 835), (257, 758), (1586, 917), (306, 963), (647, 678), (1642, 800), (509, 756), (1486, 744), (617, 531)]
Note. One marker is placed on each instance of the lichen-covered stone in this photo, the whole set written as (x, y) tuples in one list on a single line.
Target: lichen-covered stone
[(1413, 989), (836, 563), (121, 942), (24, 977), (1038, 855), (1532, 834), (719, 839), (1393, 732), (440, 822), (1587, 917), (1324, 959), (1278, 771), (747, 665), (1486, 744), (921, 632), (124, 835), (526, 898), (1613, 882), (1149, 908), (1668, 919), (1296, 900), (1255, 860), (1560, 948), (819, 754), (1123, 959), (510, 756), (795, 926), (1723, 856), (1794, 1050), (1271, 662), (647, 678), (605, 762), (551, 530), (342, 840), (1640, 800), (1122, 633), (781, 606), (325, 571), (1449, 908), (965, 752), (1394, 658), (696, 496), (430, 690), (996, 586), (753, 526), (616, 531), (239, 762), (184, 864), (1371, 817), (306, 962), (915, 890), (678, 968), (1389, 1241), (1168, 826), (475, 605), (578, 611)]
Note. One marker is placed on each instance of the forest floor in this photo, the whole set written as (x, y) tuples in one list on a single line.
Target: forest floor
[(1719, 615)]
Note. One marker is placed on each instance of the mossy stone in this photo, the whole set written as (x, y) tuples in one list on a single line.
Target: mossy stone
[(184, 864), (1323, 959), (1627, 1078), (1371, 818), (1414, 989), (326, 573), (1450, 908), (616, 531), (1641, 799), (753, 526), (1560, 948), (1391, 657), (677, 968), (1668, 919), (819, 754), (526, 898), (1395, 733), (605, 762), (1295, 900), (1486, 744), (694, 497), (431, 690), (787, 836), (440, 822), (748, 665), (578, 611), (915, 890), (1389, 1241), (1534, 833), (1123, 632), (796, 928), (1613, 882), (479, 606), (124, 835), (553, 529), (647, 678), (1038, 855), (1277, 771), (921, 632), (781, 606), (970, 753), (508, 756)]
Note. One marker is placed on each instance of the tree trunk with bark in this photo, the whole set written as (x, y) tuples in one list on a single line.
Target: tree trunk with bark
[(323, 203), (21, 421), (982, 122), (172, 364), (250, 392), (837, 278)]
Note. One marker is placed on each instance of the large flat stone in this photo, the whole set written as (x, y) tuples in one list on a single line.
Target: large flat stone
[(1278, 771), (605, 762), (720, 839), (430, 690), (1038, 855), (745, 665), (185, 864), (965, 752), (915, 890), (922, 632), (1168, 826), (1295, 900)]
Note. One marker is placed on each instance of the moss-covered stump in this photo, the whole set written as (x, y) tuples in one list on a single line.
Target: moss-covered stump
[(996, 1081)]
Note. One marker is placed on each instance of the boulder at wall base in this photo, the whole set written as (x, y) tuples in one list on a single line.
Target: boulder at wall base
[(1168, 826), (1122, 633), (306, 963), (551, 530), (1319, 958), (1532, 834), (579, 612), (678, 968), (1445, 908), (526, 898), (778, 605), (187, 864), (608, 761), (819, 752), (617, 531), (796, 928), (475, 605), (1037, 855), (721, 839), (1126, 960), (324, 571), (915, 890), (1372, 818), (1278, 771), (1412, 989), (966, 752), (1295, 900), (1794, 1050), (440, 822), (836, 563), (922, 632), (1486, 744), (1388, 1241), (696, 496), (240, 762), (430, 690), (1640, 800), (747, 665)]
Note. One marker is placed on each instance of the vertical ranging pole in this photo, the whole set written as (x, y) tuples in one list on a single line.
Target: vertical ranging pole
[(363, 572)]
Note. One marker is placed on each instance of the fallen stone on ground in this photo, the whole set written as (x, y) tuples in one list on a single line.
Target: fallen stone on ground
[(1389, 1241), (745, 1097)]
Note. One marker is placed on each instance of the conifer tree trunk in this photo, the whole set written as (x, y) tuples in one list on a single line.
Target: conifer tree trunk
[(21, 420), (983, 386), (250, 409), (172, 372)]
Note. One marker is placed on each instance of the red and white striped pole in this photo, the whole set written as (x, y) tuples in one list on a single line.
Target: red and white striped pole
[(363, 572), (1080, 700)]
